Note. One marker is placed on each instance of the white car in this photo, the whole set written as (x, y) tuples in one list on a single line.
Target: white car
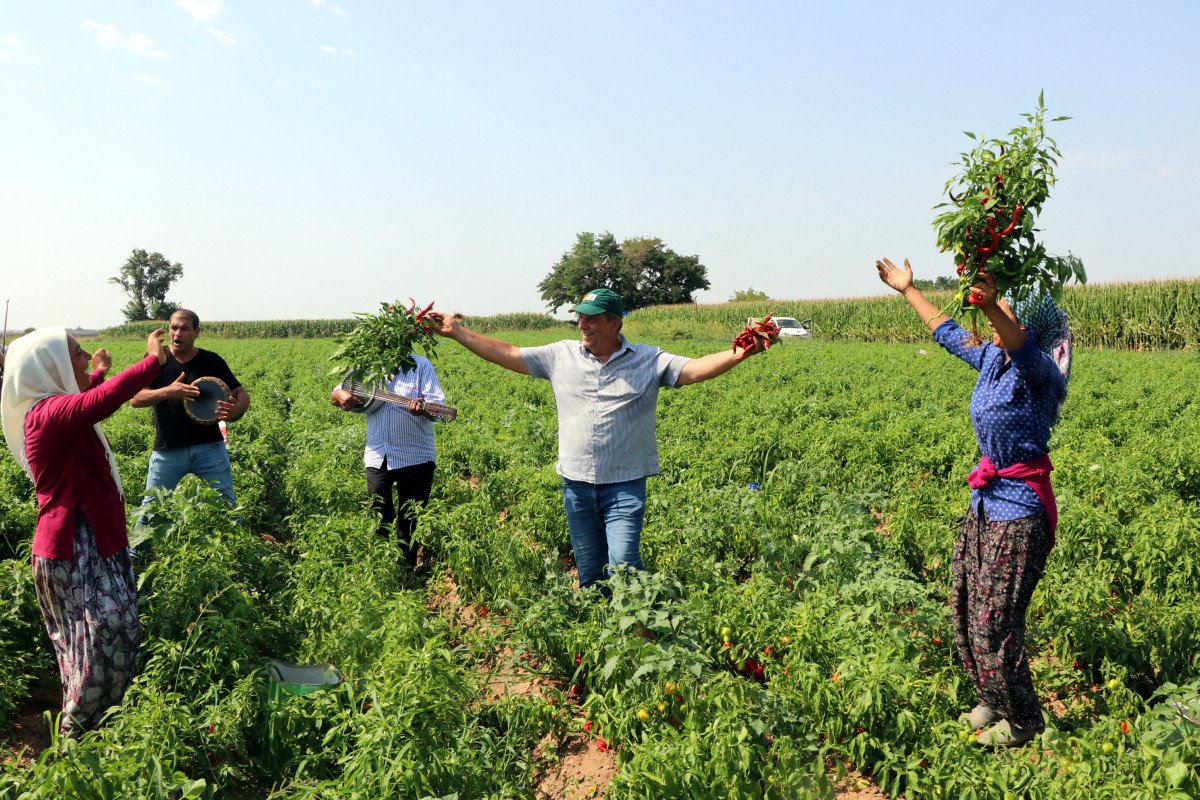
[(789, 327)]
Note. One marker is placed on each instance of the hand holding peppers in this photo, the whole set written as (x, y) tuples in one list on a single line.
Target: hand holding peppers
[(757, 337), (983, 291)]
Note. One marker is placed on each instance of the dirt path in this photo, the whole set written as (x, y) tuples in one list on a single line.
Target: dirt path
[(29, 736)]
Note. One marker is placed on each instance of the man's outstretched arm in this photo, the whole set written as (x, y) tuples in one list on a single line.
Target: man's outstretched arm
[(714, 364), (496, 351)]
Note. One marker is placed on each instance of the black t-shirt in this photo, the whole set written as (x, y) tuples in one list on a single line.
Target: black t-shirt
[(172, 426)]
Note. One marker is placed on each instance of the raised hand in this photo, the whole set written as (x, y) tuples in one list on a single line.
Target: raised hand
[(101, 360), (447, 325), (154, 346), (893, 276), (983, 291)]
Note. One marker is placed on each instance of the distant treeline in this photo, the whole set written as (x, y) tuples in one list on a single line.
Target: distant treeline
[(325, 328), (1149, 315)]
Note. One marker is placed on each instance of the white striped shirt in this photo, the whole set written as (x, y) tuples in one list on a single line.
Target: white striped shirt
[(394, 436), (605, 409)]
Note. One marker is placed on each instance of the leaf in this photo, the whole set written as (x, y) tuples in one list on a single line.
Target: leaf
[(609, 667), (1176, 773)]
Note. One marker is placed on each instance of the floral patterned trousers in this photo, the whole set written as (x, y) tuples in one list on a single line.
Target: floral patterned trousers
[(91, 612), (995, 568)]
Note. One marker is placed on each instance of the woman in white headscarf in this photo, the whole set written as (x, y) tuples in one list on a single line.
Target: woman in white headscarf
[(50, 407)]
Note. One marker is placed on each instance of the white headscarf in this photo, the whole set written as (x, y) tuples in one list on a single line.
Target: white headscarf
[(38, 365)]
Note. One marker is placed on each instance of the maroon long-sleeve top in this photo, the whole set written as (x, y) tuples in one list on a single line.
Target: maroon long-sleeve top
[(69, 467)]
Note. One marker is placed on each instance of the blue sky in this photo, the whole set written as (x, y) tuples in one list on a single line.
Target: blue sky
[(309, 158)]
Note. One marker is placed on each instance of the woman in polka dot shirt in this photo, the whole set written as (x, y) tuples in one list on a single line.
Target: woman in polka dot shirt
[(1007, 534)]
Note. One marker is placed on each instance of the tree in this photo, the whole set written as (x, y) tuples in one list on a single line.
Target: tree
[(642, 271), (943, 283), (146, 277), (740, 295)]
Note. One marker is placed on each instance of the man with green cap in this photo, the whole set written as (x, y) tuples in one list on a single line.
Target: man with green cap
[(606, 390)]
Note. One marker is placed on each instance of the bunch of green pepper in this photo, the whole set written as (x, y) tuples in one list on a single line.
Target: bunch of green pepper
[(380, 344)]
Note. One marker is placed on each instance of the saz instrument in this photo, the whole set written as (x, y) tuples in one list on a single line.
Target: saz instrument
[(367, 395)]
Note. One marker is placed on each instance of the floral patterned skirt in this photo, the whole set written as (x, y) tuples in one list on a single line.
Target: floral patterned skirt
[(995, 568), (91, 612)]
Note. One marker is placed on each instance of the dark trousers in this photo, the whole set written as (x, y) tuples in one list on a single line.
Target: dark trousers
[(995, 568), (411, 486)]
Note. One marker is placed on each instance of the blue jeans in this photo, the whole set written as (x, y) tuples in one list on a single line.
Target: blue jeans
[(209, 462), (605, 520)]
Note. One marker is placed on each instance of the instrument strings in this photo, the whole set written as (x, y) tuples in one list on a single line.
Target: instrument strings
[(360, 391)]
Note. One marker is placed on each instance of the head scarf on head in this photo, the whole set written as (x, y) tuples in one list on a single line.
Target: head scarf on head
[(1039, 314), (37, 366)]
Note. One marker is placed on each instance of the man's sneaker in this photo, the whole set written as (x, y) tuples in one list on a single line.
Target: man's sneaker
[(978, 717), (1002, 734)]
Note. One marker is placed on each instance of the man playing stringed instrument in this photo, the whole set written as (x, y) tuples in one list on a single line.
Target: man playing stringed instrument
[(399, 456)]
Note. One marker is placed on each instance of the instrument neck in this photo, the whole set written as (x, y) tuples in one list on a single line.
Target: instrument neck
[(361, 392)]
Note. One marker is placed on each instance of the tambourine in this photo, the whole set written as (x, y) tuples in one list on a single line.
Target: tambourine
[(203, 407)]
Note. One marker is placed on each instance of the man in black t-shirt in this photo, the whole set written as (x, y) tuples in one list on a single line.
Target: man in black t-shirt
[(181, 445)]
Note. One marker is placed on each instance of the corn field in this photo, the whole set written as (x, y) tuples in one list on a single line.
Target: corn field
[(1148, 315)]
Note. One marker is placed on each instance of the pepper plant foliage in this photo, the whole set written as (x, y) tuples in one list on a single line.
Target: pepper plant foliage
[(993, 208), (380, 344)]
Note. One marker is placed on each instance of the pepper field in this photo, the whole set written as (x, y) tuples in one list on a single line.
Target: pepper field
[(489, 675)]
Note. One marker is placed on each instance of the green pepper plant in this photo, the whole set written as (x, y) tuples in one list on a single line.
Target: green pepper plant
[(993, 207), (382, 343)]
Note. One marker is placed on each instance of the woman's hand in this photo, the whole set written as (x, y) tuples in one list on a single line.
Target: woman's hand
[(154, 346), (983, 291), (101, 360), (893, 276)]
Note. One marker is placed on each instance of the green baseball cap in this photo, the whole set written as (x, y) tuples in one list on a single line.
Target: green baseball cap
[(600, 301)]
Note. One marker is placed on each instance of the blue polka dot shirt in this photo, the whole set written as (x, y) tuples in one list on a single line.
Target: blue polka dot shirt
[(1013, 407)]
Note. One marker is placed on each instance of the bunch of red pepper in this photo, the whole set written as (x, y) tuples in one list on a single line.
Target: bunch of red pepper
[(759, 330), (988, 224), (985, 248)]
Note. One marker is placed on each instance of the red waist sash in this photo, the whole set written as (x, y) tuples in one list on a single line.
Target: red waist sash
[(1036, 475)]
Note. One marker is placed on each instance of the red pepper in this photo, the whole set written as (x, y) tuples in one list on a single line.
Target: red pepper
[(424, 311), (1013, 224)]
